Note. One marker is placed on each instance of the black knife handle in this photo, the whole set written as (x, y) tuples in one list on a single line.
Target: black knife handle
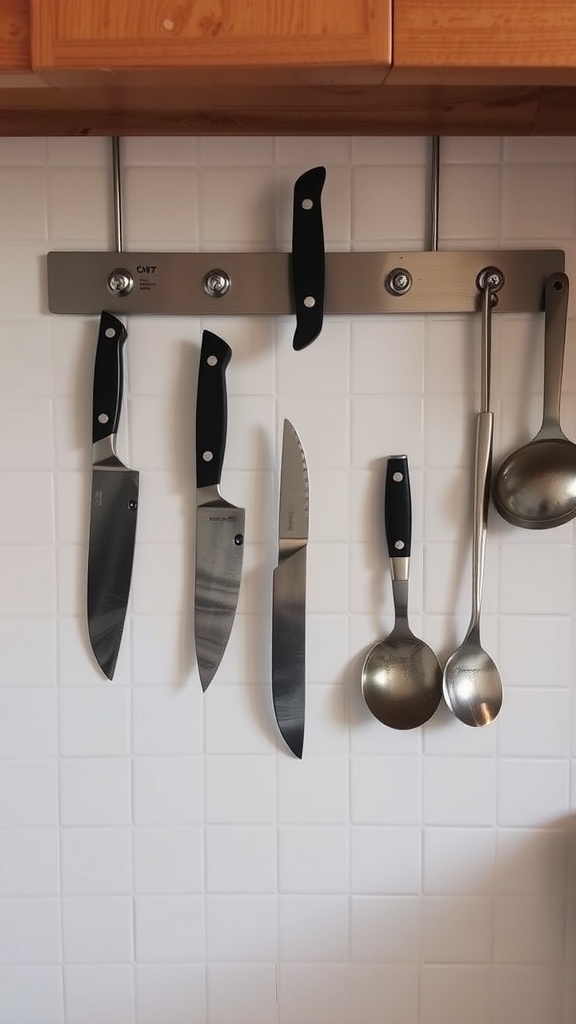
[(308, 256), (211, 409), (108, 377), (398, 507)]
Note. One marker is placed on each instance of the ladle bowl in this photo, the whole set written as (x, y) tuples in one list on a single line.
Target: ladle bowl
[(535, 487)]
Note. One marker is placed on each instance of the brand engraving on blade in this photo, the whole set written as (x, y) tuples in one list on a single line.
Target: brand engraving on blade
[(291, 522), (222, 519)]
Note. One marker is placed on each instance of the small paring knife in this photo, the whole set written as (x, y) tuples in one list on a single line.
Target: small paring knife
[(289, 594)]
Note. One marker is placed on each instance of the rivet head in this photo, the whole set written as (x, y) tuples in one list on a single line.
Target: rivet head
[(120, 281), (399, 281), (216, 283)]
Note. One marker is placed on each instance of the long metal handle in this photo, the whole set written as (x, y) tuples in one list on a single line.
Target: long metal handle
[(555, 313), (482, 469)]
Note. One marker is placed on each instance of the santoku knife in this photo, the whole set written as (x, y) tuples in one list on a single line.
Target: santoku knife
[(219, 525), (289, 594), (114, 503)]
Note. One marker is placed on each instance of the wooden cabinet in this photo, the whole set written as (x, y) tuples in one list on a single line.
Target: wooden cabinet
[(488, 42), (321, 67), (14, 36), (331, 40)]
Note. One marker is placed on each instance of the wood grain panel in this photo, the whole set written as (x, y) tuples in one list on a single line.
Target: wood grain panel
[(396, 110), (14, 36), (121, 34), (484, 41)]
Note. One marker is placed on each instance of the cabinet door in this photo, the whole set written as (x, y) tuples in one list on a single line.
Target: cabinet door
[(346, 40), (489, 42), (14, 36)]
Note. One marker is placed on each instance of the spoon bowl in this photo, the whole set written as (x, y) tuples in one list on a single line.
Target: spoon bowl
[(402, 680), (472, 684), (535, 487)]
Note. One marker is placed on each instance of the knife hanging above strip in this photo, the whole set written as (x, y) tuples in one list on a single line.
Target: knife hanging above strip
[(289, 594), (115, 487), (308, 257)]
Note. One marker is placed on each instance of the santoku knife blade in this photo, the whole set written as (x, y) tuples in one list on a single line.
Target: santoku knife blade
[(114, 503), (219, 524), (289, 594)]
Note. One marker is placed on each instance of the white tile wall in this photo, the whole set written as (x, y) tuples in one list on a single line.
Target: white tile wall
[(163, 859)]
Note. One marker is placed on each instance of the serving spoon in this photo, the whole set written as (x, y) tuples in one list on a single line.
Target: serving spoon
[(535, 487), (471, 683), (401, 677)]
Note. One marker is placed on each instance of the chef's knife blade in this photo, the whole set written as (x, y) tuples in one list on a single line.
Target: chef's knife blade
[(289, 594), (219, 524), (308, 256), (114, 503)]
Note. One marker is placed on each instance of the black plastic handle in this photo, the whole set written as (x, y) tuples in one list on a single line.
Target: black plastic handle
[(108, 377), (308, 257), (398, 507), (211, 409)]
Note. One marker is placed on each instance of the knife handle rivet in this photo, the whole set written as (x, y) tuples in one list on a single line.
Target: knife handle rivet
[(397, 477), (207, 456), (212, 360), (309, 301), (132, 504), (307, 204), (110, 332), (239, 539), (103, 417)]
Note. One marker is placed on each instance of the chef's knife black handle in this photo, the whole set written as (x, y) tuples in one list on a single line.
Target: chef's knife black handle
[(108, 377), (211, 409), (308, 256), (398, 507)]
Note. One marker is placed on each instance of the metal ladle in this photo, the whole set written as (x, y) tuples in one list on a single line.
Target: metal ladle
[(401, 677), (535, 486), (472, 685)]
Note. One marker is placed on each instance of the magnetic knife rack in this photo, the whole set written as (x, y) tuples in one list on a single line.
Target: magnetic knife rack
[(306, 282)]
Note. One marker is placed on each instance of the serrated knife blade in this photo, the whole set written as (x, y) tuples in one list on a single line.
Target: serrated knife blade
[(114, 503), (289, 594), (219, 524)]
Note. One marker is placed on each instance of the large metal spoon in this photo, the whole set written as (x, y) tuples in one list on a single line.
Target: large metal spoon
[(472, 684), (535, 486), (401, 677)]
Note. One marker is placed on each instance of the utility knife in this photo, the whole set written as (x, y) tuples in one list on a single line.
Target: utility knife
[(308, 257), (289, 594), (219, 524), (113, 505)]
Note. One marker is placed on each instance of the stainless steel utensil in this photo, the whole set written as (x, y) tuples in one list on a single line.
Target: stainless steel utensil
[(401, 677), (289, 594), (472, 685), (219, 524), (535, 486)]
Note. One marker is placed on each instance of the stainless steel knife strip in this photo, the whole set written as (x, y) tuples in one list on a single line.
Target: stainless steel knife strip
[(259, 283)]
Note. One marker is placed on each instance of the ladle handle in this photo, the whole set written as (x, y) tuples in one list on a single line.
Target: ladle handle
[(555, 314), (398, 515), (482, 469)]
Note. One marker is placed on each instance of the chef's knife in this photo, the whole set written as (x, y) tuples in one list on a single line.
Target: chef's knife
[(308, 256), (289, 594), (114, 503), (219, 525)]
